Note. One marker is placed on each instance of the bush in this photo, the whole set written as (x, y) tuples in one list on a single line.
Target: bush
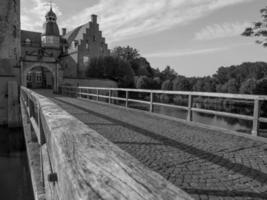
[(113, 68)]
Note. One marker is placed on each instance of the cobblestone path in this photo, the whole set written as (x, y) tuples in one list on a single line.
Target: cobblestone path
[(207, 164)]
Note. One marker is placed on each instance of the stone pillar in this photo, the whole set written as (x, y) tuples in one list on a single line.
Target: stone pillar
[(10, 51), (13, 105)]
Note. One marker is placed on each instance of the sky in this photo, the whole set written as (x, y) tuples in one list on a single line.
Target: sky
[(195, 37)]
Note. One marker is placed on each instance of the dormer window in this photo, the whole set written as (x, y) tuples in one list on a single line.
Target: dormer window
[(28, 41), (76, 43)]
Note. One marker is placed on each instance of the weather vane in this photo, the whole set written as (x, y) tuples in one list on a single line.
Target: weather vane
[(50, 4)]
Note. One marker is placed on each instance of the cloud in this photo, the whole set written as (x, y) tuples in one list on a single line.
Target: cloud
[(33, 13), (126, 19), (184, 52), (217, 31), (190, 52)]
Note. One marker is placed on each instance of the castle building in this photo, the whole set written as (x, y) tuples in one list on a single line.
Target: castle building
[(49, 56), (42, 59), (84, 42)]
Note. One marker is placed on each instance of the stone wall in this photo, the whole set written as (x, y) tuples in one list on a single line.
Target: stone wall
[(9, 36), (92, 45), (9, 51), (4, 98), (85, 42)]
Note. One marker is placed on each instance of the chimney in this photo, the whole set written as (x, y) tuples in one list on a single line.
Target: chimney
[(94, 19), (64, 31)]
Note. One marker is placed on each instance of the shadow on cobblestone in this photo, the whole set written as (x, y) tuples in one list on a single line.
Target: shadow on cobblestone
[(209, 191), (226, 193), (210, 157)]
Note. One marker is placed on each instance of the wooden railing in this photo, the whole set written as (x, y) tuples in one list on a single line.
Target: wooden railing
[(108, 94), (79, 164)]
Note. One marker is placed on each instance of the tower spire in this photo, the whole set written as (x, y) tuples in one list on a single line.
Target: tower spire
[(51, 5)]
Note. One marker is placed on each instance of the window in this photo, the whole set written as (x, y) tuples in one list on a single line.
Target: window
[(28, 41), (94, 38), (14, 31), (76, 43), (85, 59), (29, 77), (38, 77)]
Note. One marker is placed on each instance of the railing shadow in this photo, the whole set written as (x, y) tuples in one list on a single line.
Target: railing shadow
[(238, 168)]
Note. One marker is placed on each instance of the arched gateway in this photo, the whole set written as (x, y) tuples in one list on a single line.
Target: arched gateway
[(41, 53), (42, 74)]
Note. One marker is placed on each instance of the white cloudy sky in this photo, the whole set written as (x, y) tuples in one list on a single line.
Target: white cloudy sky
[(193, 36)]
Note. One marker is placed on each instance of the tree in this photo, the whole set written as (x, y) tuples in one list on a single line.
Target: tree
[(248, 86), (166, 85), (141, 67), (113, 68), (232, 86), (259, 29), (168, 74), (144, 82), (181, 83), (127, 53), (261, 87)]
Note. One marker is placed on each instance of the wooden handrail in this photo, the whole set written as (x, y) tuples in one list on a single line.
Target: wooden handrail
[(256, 119), (205, 94), (80, 164)]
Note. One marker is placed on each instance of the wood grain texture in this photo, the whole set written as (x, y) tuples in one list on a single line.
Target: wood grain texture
[(88, 166), (33, 154)]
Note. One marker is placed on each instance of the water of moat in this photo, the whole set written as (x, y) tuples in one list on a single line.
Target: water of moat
[(15, 182), (242, 126)]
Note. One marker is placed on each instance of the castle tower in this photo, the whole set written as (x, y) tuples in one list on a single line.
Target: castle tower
[(51, 36), (9, 36)]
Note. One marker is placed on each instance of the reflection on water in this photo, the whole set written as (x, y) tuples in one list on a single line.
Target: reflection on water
[(15, 183), (242, 126)]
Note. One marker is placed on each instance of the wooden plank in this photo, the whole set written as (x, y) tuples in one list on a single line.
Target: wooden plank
[(33, 154), (51, 188), (36, 129), (204, 94), (139, 101), (94, 95), (225, 114), (263, 119), (88, 166), (170, 106), (118, 98), (256, 114)]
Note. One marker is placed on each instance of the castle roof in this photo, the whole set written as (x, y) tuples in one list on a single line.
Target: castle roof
[(35, 37), (51, 14), (50, 29), (77, 33)]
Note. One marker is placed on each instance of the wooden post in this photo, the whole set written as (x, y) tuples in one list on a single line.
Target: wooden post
[(256, 115), (79, 90), (127, 97), (189, 110), (109, 96), (151, 102)]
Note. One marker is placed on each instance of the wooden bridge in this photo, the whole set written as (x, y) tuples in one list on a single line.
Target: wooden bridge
[(81, 146)]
